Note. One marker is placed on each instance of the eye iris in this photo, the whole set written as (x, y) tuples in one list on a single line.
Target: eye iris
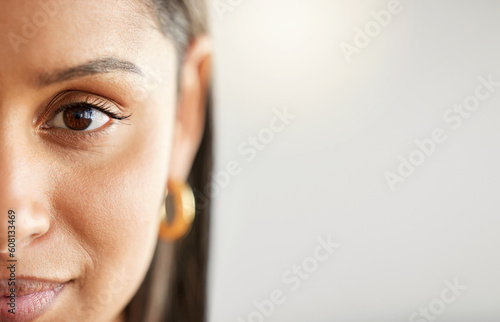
[(78, 117)]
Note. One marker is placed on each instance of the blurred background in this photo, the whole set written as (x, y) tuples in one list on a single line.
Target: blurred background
[(357, 161)]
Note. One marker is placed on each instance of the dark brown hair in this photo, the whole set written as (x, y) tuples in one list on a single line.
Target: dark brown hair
[(175, 286)]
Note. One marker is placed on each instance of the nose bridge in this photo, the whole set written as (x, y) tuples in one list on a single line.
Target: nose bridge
[(18, 182), (15, 157), (14, 184)]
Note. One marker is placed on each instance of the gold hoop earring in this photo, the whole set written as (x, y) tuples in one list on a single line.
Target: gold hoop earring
[(183, 214)]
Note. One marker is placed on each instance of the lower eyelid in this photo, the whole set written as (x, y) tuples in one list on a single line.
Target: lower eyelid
[(77, 139)]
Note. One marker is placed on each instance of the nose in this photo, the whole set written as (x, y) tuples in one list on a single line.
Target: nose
[(23, 218), (22, 222)]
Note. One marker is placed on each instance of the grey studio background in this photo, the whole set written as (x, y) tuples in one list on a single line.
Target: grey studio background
[(357, 161)]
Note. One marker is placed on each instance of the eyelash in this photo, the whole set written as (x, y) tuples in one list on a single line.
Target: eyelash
[(97, 104)]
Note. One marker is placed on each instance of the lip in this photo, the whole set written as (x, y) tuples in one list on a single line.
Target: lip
[(32, 298)]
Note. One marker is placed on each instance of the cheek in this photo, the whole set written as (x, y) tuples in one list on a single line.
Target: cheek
[(111, 208)]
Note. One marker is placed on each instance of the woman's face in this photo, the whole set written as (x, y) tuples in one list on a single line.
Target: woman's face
[(87, 117)]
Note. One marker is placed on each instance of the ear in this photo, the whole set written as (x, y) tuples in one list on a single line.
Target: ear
[(190, 117)]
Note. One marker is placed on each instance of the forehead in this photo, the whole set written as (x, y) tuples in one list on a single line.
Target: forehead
[(43, 34)]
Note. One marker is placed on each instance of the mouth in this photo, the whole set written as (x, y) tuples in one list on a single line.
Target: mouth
[(27, 299)]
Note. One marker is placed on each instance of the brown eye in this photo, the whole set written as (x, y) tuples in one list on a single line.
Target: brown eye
[(80, 117)]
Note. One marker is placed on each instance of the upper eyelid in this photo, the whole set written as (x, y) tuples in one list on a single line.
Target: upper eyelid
[(102, 109), (93, 100)]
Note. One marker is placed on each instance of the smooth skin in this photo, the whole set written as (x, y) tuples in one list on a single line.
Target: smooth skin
[(88, 202)]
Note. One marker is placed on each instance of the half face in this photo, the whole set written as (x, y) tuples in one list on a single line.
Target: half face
[(87, 111)]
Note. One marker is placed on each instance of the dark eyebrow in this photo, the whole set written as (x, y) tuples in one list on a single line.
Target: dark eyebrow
[(97, 66)]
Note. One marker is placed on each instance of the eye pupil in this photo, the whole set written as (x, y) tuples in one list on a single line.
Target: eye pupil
[(78, 117)]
